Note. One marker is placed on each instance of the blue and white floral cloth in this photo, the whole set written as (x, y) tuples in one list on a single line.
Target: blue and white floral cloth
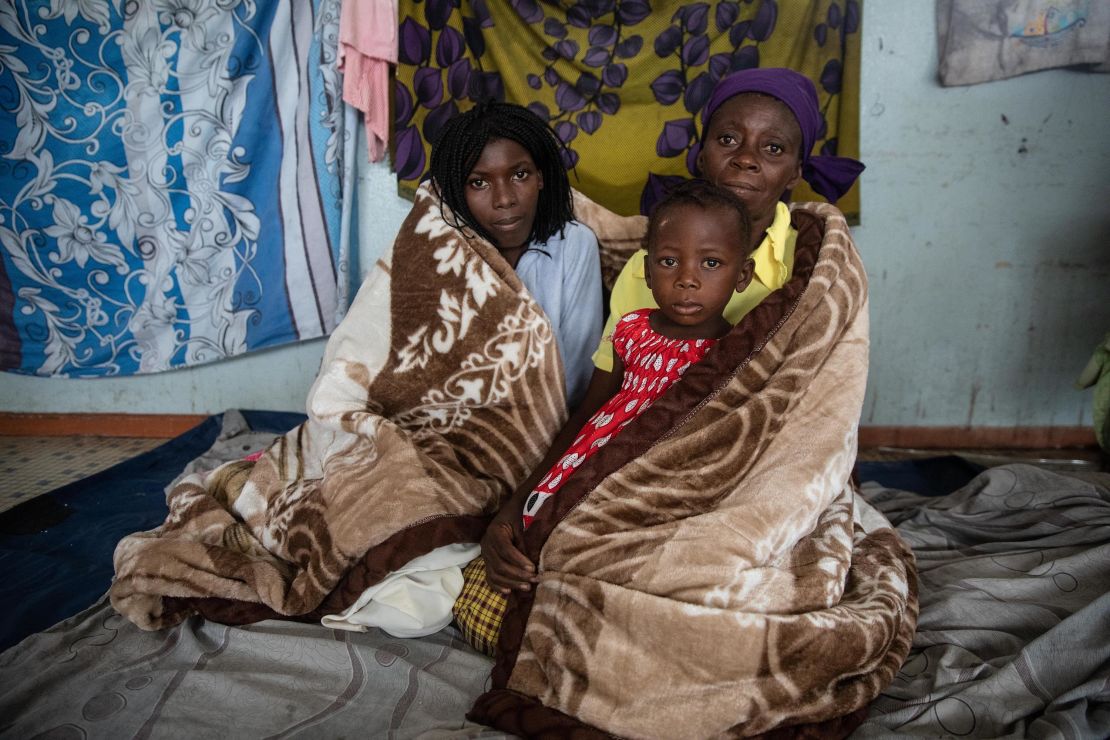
[(172, 181)]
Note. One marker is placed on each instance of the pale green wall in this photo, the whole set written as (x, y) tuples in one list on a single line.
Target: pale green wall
[(989, 265), (987, 243)]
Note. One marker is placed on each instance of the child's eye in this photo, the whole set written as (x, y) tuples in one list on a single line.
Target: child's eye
[(668, 261), (711, 263), (477, 183)]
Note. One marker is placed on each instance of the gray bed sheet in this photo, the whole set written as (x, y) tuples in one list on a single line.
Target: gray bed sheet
[(98, 676), (1013, 641)]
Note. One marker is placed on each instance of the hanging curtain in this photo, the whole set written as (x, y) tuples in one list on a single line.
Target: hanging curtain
[(621, 81), (987, 40), (172, 181)]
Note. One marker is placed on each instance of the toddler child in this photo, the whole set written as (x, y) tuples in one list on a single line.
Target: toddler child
[(698, 255)]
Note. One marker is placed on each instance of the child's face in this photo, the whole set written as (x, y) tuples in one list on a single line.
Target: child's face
[(694, 264), (753, 148), (502, 192)]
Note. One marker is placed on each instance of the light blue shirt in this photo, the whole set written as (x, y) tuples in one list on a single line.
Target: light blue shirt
[(566, 282)]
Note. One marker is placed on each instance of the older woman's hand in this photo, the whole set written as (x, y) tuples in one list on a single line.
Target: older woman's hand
[(507, 568)]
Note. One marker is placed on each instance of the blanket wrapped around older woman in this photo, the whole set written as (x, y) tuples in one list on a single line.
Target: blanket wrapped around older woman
[(709, 572)]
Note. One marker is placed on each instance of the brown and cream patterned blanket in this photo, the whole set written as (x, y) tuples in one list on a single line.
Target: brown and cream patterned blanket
[(710, 572), (438, 393)]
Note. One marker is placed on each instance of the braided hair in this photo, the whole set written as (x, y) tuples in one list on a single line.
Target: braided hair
[(460, 145), (706, 196)]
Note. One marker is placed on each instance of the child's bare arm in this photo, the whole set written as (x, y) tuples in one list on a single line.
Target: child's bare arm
[(506, 566)]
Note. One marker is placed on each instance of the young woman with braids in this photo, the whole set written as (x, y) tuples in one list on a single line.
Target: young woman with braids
[(497, 167), (496, 175)]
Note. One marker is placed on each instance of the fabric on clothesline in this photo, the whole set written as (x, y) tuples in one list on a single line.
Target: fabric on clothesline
[(172, 183), (984, 40), (367, 47), (621, 84)]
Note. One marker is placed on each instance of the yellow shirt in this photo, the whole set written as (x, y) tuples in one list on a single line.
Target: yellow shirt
[(774, 262)]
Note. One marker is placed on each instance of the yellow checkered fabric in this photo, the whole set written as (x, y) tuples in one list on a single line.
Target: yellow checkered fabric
[(479, 609)]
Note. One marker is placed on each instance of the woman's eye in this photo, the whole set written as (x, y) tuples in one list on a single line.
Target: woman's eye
[(726, 139), (520, 174), (775, 148)]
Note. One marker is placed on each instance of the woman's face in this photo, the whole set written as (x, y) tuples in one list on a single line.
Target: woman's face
[(503, 191), (753, 148)]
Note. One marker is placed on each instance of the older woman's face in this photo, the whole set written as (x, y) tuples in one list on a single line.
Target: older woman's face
[(753, 148)]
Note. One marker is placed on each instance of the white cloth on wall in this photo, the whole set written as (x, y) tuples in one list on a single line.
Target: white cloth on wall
[(984, 40)]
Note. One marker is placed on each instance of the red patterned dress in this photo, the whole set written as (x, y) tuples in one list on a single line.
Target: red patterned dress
[(652, 363)]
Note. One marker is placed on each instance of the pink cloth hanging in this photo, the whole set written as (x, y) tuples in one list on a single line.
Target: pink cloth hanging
[(367, 46)]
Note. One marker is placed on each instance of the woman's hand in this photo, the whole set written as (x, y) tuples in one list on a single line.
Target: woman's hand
[(507, 568)]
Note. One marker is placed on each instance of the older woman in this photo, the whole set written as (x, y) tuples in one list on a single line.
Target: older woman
[(711, 571), (759, 128)]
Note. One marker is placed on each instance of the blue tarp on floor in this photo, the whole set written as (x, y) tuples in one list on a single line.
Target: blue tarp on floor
[(56, 549)]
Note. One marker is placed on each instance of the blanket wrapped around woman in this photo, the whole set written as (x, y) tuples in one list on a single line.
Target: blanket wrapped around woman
[(439, 392), (709, 572)]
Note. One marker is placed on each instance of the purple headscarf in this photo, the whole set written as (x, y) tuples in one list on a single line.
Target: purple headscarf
[(828, 176)]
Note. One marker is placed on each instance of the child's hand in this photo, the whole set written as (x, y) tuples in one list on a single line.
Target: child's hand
[(507, 568)]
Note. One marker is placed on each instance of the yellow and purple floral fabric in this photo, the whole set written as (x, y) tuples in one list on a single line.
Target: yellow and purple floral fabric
[(622, 82)]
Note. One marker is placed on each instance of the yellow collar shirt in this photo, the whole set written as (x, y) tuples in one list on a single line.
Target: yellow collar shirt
[(774, 262)]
